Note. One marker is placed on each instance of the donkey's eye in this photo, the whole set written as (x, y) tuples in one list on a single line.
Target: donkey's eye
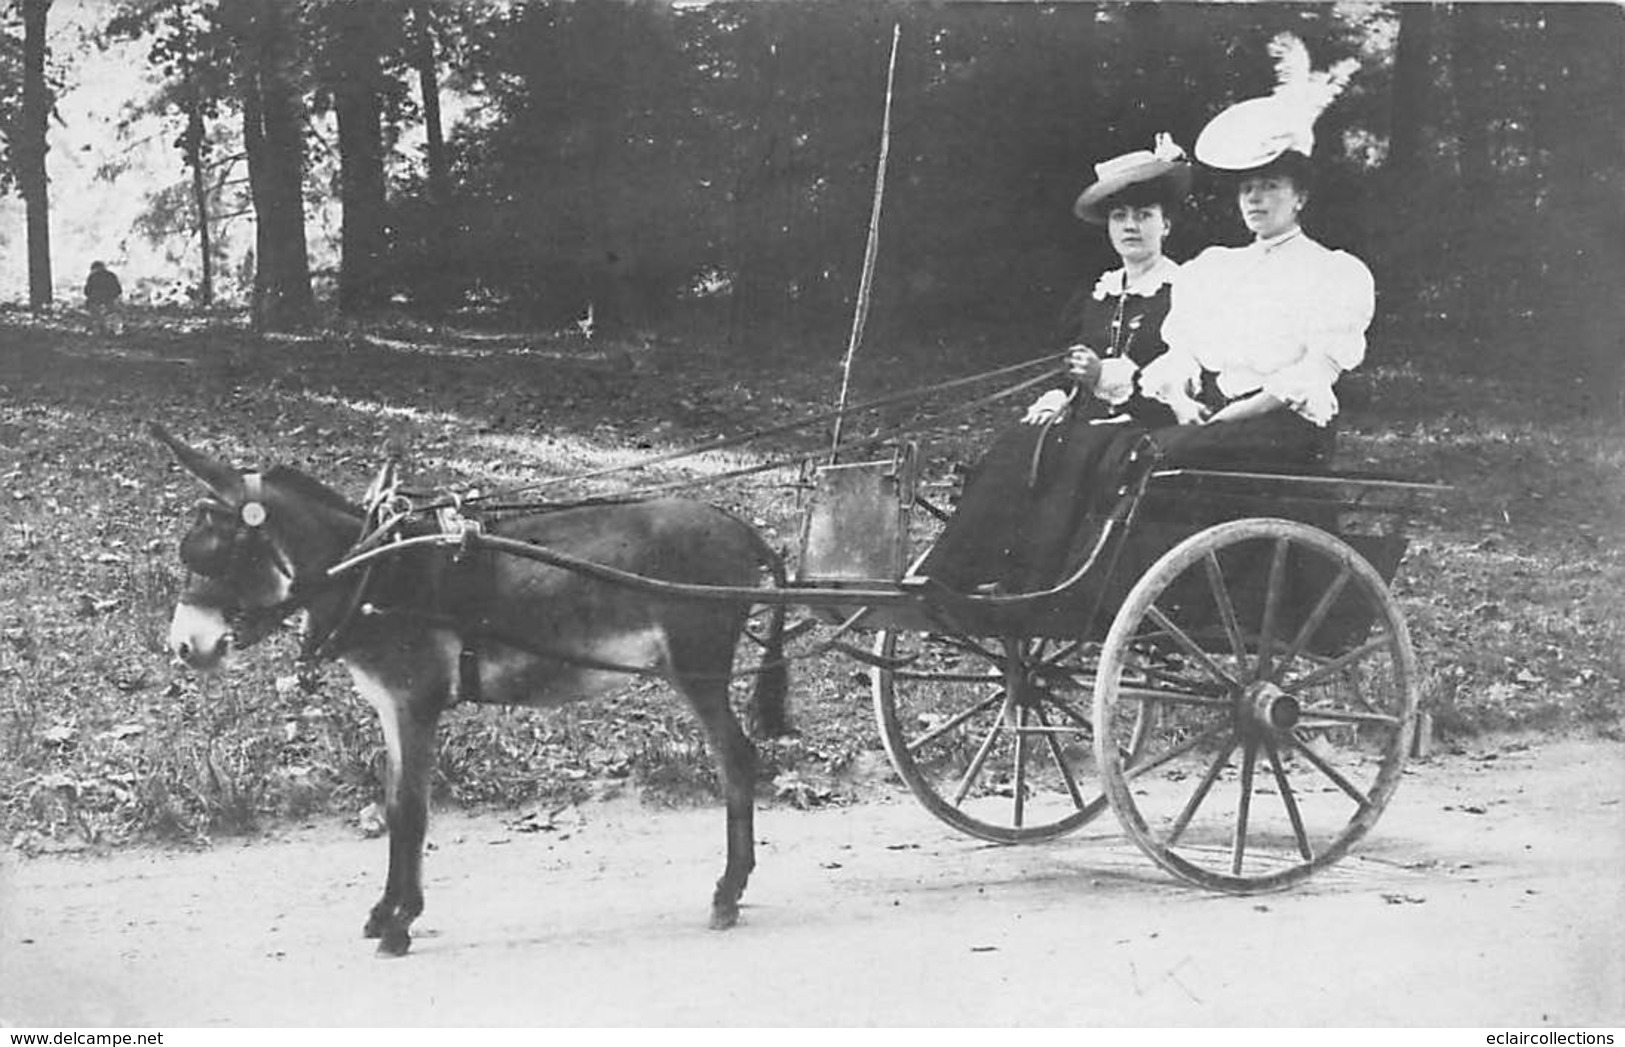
[(207, 550)]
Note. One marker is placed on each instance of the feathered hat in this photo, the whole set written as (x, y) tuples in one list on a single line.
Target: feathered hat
[(1163, 160), (1252, 133)]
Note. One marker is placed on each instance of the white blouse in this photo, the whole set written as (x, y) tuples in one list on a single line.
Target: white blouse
[(1285, 315)]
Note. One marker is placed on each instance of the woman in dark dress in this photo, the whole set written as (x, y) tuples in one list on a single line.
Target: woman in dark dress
[(1021, 506)]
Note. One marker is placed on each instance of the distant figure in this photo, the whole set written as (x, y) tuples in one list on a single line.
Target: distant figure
[(102, 295)]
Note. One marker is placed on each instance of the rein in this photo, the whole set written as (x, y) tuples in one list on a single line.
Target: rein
[(464, 534), (819, 418), (784, 461)]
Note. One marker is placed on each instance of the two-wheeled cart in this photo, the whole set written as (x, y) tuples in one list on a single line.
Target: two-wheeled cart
[(1225, 666)]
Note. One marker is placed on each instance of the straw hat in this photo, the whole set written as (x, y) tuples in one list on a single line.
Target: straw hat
[(1257, 131), (1163, 160)]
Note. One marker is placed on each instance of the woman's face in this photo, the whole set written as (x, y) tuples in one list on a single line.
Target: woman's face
[(1269, 203), (1137, 231)]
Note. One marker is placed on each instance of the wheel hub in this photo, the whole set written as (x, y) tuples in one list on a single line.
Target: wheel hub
[(1265, 707)]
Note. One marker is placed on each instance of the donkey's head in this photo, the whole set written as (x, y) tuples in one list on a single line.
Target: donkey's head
[(258, 548)]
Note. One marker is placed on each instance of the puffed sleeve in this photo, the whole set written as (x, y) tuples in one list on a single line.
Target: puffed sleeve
[(1171, 377), (1333, 340), (1116, 385)]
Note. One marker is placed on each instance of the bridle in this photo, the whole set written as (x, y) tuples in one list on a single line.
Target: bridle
[(248, 545)]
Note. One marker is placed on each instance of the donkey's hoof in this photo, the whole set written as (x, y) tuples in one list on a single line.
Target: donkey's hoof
[(724, 917), (393, 943)]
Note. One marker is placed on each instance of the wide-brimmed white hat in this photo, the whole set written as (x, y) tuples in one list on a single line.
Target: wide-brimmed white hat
[(1257, 131), (1163, 160)]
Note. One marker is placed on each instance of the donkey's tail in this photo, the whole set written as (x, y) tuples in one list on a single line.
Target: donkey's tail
[(769, 702)]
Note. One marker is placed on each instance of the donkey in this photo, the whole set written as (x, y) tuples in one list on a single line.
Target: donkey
[(425, 628)]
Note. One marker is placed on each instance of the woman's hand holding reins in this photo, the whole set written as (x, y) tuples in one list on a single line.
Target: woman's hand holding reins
[(1083, 367), (1083, 364)]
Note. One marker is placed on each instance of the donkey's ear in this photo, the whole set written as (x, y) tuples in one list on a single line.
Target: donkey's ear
[(217, 476)]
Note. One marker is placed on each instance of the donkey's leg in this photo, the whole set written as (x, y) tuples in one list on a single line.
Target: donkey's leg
[(736, 759), (409, 733)]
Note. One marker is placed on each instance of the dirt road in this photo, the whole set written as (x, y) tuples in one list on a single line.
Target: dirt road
[(1491, 893)]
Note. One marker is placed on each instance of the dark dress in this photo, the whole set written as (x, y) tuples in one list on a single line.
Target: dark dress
[(1024, 501)]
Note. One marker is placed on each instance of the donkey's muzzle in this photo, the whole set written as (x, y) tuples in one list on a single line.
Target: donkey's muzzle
[(199, 638)]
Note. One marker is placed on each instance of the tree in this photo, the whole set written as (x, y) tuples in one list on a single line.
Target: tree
[(268, 77), (1410, 157), (1580, 159), (425, 61), (1476, 40), (352, 41), (30, 150)]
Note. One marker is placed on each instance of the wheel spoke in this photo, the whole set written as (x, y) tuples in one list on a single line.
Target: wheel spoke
[(1190, 646), (1021, 766), (1201, 792), (942, 677), (1336, 665), (1061, 653), (1345, 716), (1317, 617), (1172, 697), (959, 718), (967, 645), (974, 771), (1330, 772), (1227, 609), (1072, 714), (1158, 674), (1238, 846), (1134, 770), (1272, 607), (1289, 801), (1067, 777)]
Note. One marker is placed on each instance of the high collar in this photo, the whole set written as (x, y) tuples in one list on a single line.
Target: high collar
[(1117, 282), (1269, 244)]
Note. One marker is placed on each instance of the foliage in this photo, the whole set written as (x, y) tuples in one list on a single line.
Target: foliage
[(656, 160)]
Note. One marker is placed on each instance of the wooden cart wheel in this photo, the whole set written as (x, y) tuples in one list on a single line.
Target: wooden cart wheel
[(1267, 677), (992, 735)]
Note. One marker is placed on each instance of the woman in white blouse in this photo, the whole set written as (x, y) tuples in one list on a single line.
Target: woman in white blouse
[(1260, 334)]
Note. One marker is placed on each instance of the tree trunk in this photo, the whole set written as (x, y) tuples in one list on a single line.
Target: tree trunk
[(362, 283), (426, 61), (1412, 252), (1473, 79), (31, 176), (192, 148), (1584, 250), (439, 292), (276, 160), (1413, 89)]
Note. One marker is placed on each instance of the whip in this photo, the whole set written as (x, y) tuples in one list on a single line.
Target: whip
[(860, 314)]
